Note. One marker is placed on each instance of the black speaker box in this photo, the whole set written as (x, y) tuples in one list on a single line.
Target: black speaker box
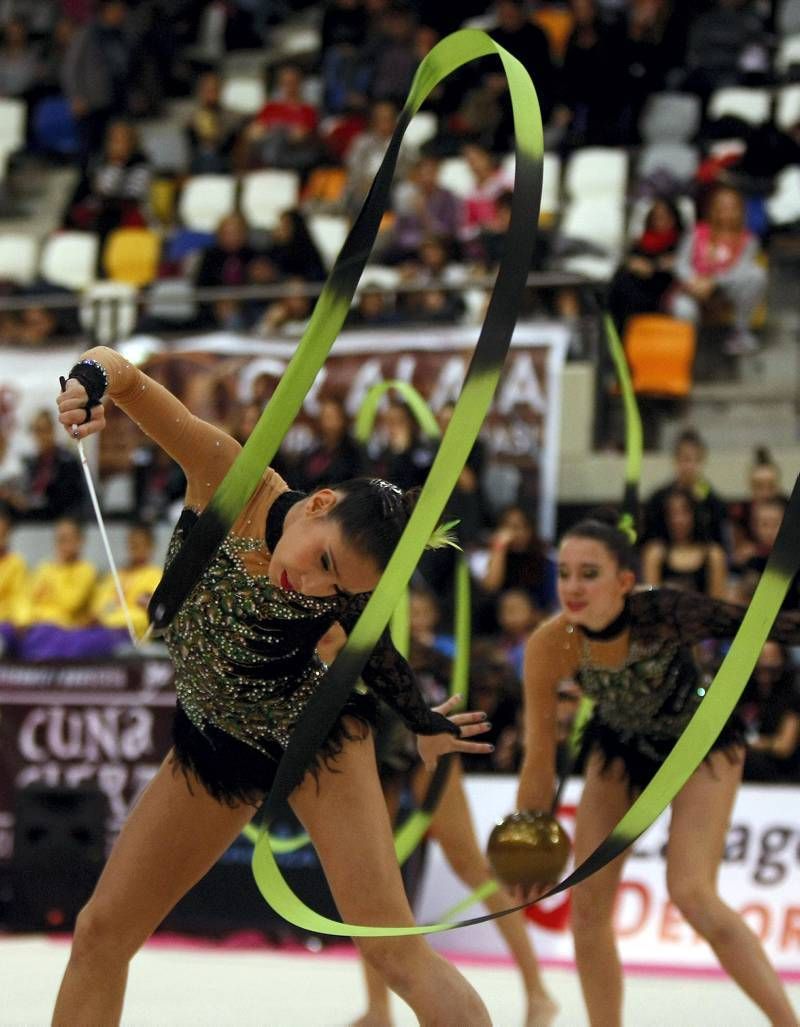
[(59, 851)]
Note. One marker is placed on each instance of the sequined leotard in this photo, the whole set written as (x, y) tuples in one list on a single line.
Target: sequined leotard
[(640, 673), (244, 649)]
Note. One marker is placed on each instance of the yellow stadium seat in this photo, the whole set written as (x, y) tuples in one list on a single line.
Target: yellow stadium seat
[(660, 352), (131, 255)]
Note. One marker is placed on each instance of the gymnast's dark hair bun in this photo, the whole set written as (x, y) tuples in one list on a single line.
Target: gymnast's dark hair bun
[(603, 526), (762, 457)]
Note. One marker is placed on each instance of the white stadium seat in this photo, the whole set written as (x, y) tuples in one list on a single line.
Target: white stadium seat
[(596, 171), (267, 194), (69, 259), (19, 254), (205, 200), (750, 105), (329, 232), (244, 94)]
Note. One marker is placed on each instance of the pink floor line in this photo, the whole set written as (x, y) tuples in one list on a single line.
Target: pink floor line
[(248, 941)]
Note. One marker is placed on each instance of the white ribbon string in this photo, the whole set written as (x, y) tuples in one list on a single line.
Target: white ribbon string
[(104, 535)]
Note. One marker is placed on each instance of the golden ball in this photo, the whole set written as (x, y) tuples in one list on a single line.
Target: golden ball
[(528, 849)]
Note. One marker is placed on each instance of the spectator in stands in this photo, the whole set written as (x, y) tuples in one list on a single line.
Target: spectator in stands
[(480, 117), (114, 192), (652, 47), (766, 519), (139, 578), (717, 271), (590, 95), (422, 208), (13, 579), (689, 456), (366, 153), (345, 69), (284, 134), (58, 596), (770, 709), (517, 616), (337, 456), (425, 622), (390, 54), (292, 250), (19, 60), (685, 559), (406, 454), (724, 43), (226, 263), (374, 306), (211, 129), (493, 689), (434, 304), (491, 182), (95, 74), (50, 486), (529, 44), (764, 483), (289, 314), (641, 283), (518, 558)]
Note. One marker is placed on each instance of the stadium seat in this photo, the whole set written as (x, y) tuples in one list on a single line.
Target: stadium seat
[(54, 128), (423, 126), (12, 124), (205, 200), (787, 107), (329, 232), (69, 259), (108, 311), (598, 221), (131, 255), (378, 276), (244, 94), (324, 185), (670, 117), (788, 17), (267, 194), (787, 58), (166, 147), (18, 257), (783, 206), (660, 352), (680, 160), (596, 171), (455, 175), (557, 24), (171, 300), (750, 105)]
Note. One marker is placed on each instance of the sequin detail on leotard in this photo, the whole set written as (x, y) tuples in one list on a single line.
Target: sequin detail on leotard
[(244, 650)]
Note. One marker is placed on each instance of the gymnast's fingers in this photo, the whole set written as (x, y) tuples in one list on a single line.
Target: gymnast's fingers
[(78, 426), (469, 730), (472, 748)]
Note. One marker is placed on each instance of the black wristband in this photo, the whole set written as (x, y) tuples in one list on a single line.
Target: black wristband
[(92, 376)]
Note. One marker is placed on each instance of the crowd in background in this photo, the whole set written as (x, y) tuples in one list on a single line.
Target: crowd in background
[(101, 69), (328, 115), (690, 538)]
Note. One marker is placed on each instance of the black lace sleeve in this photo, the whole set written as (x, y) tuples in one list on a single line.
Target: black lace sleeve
[(388, 674), (696, 617)]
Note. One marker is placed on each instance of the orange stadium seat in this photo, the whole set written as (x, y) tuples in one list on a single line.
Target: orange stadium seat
[(131, 255), (660, 352), (557, 24)]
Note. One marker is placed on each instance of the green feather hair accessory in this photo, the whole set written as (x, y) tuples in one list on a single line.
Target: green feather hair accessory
[(443, 535)]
